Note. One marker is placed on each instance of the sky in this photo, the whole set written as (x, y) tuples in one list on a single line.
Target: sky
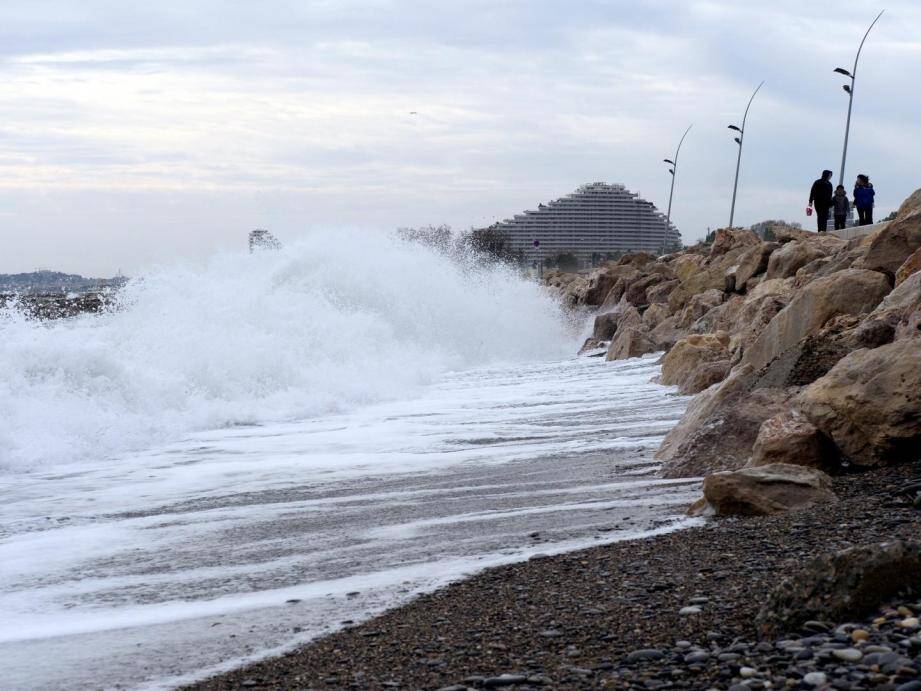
[(134, 134)]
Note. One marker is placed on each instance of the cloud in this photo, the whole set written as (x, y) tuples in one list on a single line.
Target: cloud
[(298, 114)]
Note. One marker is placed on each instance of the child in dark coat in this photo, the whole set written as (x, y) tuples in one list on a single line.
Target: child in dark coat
[(842, 206)]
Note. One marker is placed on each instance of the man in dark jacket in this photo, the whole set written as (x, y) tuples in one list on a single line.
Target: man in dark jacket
[(821, 198)]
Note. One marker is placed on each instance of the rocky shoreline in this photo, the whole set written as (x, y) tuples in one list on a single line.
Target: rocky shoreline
[(682, 610), (57, 305), (804, 353)]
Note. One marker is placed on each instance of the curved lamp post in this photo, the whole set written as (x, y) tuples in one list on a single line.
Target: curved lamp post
[(739, 140), (674, 170), (849, 88)]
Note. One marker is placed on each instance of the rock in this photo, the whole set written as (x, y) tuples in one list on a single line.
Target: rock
[(691, 353), (727, 239), (892, 317), (752, 262), (635, 259), (754, 315), (667, 333), (504, 680), (847, 654), (852, 291), (719, 426), (790, 438), (655, 314), (592, 344), (659, 292), (706, 376), (894, 244), (815, 679), (599, 284), (699, 305), (630, 342), (781, 287), (869, 404), (785, 234), (723, 317), (910, 266), (766, 490), (690, 609), (645, 654), (624, 276), (635, 293), (606, 325), (909, 206), (785, 262), (842, 586)]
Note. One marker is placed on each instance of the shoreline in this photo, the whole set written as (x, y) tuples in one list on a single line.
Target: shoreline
[(573, 620)]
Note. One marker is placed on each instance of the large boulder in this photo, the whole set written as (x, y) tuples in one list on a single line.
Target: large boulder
[(843, 586), (911, 205), (910, 266), (755, 314), (699, 305), (764, 490), (727, 239), (782, 287), (852, 291), (785, 262), (723, 317), (630, 342), (690, 354), (891, 318), (658, 293), (894, 244), (624, 276), (606, 325), (667, 333), (790, 438), (720, 425), (753, 262), (635, 293), (869, 404), (635, 259)]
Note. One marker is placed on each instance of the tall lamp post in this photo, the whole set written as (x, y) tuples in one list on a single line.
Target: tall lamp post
[(849, 88), (674, 171), (739, 140)]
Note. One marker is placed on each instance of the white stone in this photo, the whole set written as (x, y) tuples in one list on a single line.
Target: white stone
[(815, 679)]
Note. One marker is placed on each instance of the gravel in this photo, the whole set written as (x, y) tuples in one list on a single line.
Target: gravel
[(526, 625)]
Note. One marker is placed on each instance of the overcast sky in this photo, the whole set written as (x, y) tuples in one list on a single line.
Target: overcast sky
[(133, 133)]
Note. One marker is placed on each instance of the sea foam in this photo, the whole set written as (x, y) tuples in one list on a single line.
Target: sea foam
[(332, 322)]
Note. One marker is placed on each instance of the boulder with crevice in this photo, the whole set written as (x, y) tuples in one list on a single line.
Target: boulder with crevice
[(894, 244), (852, 291), (786, 261)]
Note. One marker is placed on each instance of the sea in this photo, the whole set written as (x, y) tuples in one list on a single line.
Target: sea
[(254, 450)]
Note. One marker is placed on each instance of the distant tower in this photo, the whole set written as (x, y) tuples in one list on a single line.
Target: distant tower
[(260, 239)]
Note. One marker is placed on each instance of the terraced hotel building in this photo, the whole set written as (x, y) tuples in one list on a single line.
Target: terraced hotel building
[(596, 220)]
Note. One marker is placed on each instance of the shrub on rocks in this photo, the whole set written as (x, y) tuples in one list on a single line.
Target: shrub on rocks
[(842, 586), (869, 404), (764, 490)]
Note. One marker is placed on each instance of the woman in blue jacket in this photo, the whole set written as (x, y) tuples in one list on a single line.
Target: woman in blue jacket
[(863, 200)]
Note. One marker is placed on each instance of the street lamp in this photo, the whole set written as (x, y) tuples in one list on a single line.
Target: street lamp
[(739, 140), (849, 88), (673, 170)]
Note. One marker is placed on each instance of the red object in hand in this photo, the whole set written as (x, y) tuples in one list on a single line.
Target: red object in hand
[(809, 211)]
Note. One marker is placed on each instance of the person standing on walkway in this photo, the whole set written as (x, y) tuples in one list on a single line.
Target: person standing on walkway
[(820, 197), (842, 206), (864, 195)]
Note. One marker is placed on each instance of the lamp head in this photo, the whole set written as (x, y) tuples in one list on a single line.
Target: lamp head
[(671, 170), (733, 127), (738, 141), (668, 160), (847, 88), (841, 70)]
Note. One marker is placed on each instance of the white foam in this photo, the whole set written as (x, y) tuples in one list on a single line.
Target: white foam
[(332, 322)]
